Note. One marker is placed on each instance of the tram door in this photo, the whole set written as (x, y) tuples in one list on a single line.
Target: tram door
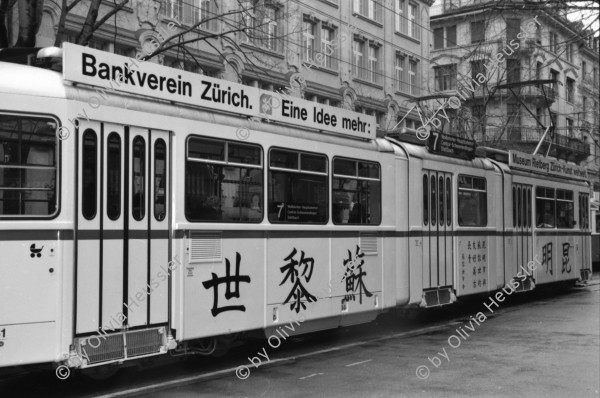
[(437, 229), (122, 237), (522, 221)]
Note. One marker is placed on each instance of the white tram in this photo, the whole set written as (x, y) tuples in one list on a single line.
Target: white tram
[(144, 215)]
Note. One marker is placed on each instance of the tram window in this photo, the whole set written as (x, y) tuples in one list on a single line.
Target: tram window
[(544, 207), (160, 179), (298, 189), (223, 181), (565, 209), (519, 207), (441, 200), (472, 201), (448, 201), (138, 206), (28, 164), (425, 202), (433, 201), (581, 222), (528, 207), (514, 203), (356, 192), (113, 176), (89, 175)]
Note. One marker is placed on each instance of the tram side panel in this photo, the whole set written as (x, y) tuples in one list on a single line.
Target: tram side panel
[(35, 232), (477, 258)]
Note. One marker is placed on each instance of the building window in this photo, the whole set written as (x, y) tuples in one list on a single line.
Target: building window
[(477, 67), (513, 125), (191, 12), (358, 59), (569, 52), (308, 34), (318, 42), (445, 77), (441, 40), (327, 47), (472, 201), (513, 70), (373, 64), (553, 42), (570, 127), (298, 190), (407, 18), (554, 75), (584, 107), (371, 9), (538, 70), (477, 32), (513, 27), (260, 24), (413, 75), (400, 73), (438, 38), (584, 70), (595, 77), (356, 192), (544, 207), (223, 181), (479, 120), (570, 90)]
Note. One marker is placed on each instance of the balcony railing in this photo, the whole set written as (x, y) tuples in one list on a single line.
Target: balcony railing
[(563, 139)]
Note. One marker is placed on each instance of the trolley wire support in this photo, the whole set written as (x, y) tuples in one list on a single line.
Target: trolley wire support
[(540, 83)]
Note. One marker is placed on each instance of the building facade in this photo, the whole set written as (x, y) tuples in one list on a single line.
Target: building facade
[(370, 56), (497, 58)]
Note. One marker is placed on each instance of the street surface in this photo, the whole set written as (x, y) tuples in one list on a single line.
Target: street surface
[(545, 344)]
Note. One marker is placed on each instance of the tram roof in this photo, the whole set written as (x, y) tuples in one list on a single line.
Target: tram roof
[(30, 80)]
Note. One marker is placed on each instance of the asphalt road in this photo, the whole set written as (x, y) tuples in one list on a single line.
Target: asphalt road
[(542, 344), (549, 347)]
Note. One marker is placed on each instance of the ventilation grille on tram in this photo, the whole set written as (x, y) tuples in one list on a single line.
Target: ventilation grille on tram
[(205, 247), (437, 297), (101, 348), (368, 243)]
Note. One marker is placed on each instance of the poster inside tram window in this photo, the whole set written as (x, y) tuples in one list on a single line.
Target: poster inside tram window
[(473, 265)]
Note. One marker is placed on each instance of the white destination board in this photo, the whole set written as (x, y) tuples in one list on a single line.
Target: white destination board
[(116, 72), (547, 166)]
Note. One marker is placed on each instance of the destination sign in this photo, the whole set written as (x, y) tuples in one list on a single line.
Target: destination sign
[(540, 164), (118, 73), (450, 145)]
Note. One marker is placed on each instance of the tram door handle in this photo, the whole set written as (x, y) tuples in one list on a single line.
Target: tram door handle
[(51, 270)]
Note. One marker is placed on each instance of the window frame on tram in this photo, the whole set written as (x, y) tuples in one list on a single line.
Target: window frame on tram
[(250, 172), (364, 211), (289, 171), (52, 187), (566, 197), (541, 199), (476, 193)]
